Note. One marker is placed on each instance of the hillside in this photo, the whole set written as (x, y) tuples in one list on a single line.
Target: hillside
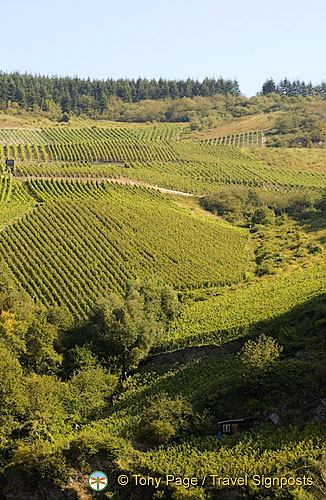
[(118, 233), (157, 280)]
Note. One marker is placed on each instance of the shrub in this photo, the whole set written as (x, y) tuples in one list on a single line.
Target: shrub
[(159, 432), (89, 389), (91, 442), (65, 118), (164, 418), (259, 355), (263, 216)]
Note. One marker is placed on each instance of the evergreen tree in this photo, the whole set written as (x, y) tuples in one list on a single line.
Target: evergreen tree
[(173, 89), (269, 86)]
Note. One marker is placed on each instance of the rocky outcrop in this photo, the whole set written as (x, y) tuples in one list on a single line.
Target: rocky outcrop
[(320, 413), (187, 354)]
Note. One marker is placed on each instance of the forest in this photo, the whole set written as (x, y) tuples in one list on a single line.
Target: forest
[(74, 95)]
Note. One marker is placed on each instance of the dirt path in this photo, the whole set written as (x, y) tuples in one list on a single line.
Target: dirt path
[(120, 180)]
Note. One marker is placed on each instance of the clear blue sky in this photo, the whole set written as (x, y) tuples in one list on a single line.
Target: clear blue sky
[(248, 39)]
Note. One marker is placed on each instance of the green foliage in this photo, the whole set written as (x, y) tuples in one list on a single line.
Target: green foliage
[(65, 118), (240, 204), (129, 327), (45, 415), (40, 355), (59, 317), (269, 86), (79, 357), (40, 460), (89, 390), (69, 244), (14, 200), (157, 432), (163, 418), (299, 128), (321, 203), (258, 356), (52, 467), (162, 407), (12, 332), (97, 94), (12, 400), (244, 140), (262, 452), (263, 216), (89, 443)]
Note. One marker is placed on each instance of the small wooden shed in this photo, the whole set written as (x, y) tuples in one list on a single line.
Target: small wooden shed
[(236, 425), (10, 164)]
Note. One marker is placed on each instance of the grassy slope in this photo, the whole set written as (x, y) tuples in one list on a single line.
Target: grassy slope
[(237, 125), (37, 122), (292, 158)]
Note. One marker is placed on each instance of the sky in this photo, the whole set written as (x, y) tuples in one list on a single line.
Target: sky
[(249, 40)]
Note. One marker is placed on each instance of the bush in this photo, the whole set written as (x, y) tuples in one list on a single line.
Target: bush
[(92, 442), (312, 249), (266, 268), (128, 327), (158, 432), (41, 460), (259, 355), (164, 418), (65, 118), (263, 216), (90, 388), (53, 467)]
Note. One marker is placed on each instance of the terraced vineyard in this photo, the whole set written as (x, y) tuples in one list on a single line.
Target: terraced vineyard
[(18, 136), (64, 135), (152, 155), (84, 212), (116, 233), (14, 200), (201, 178), (185, 166), (243, 140), (238, 312), (91, 151), (60, 169), (5, 188), (156, 132), (265, 453)]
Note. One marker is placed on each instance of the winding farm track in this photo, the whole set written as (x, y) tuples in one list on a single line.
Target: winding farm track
[(119, 180)]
